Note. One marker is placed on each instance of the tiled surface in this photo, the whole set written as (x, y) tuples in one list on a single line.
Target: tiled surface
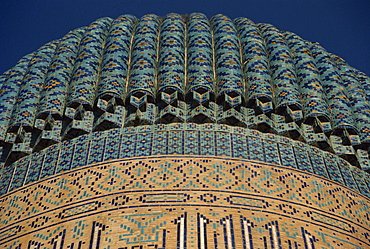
[(183, 132), (184, 202), (183, 69), (181, 139)]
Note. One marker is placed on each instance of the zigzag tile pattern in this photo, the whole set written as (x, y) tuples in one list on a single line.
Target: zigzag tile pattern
[(171, 70), (256, 70), (184, 202), (200, 54), (26, 104), (87, 68), (116, 58), (200, 87), (282, 70), (184, 69), (55, 88), (312, 94), (182, 139), (143, 74), (10, 83)]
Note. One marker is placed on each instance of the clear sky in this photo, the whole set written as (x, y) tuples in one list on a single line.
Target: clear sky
[(340, 26)]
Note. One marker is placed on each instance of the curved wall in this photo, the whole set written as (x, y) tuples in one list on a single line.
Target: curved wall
[(185, 202), (182, 186), (184, 69), (183, 132), (181, 139)]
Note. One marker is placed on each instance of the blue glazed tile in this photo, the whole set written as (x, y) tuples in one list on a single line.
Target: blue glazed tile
[(255, 149), (302, 159), (223, 143), (191, 140), (190, 127), (144, 144), (128, 145), (34, 171), (287, 155), (80, 155), (6, 177), (160, 141), (346, 173), (49, 166), (240, 146), (112, 146), (176, 142), (359, 177), (96, 151), (333, 169), (207, 143), (65, 158), (19, 175), (271, 151), (318, 164)]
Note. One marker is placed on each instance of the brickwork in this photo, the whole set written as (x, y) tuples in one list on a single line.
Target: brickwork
[(182, 202), (181, 139), (184, 132)]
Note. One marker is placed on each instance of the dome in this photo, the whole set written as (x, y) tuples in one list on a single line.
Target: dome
[(195, 90), (184, 69)]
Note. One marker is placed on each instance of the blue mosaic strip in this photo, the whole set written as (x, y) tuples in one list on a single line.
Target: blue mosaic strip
[(207, 143), (127, 147), (79, 158), (256, 149), (181, 139), (111, 149), (160, 143), (191, 143), (34, 171), (240, 148), (19, 175), (302, 159), (65, 157), (286, 151)]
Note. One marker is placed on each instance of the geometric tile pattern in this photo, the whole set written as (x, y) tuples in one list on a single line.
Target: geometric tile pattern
[(184, 132), (184, 202), (182, 139), (184, 69)]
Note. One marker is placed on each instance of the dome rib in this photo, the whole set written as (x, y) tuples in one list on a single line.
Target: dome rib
[(184, 69)]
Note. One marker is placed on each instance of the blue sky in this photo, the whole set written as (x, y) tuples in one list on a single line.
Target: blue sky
[(340, 26)]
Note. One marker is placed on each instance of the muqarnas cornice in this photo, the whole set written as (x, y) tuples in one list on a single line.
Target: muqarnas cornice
[(184, 69)]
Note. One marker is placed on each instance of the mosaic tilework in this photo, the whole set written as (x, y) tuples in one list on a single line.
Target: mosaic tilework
[(200, 84), (55, 89), (184, 69), (182, 139), (183, 132), (115, 65), (9, 86), (83, 85), (282, 68), (200, 53), (357, 96), (171, 70), (227, 63), (256, 73), (311, 89), (144, 54), (184, 202), (25, 107)]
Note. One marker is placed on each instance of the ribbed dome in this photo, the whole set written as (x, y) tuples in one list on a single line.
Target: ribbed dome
[(184, 132), (190, 69)]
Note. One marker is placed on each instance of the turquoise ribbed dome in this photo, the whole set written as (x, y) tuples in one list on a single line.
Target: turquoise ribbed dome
[(184, 69)]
